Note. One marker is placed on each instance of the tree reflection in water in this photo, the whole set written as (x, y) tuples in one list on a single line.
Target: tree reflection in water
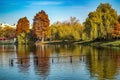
[(23, 57), (102, 62), (42, 52)]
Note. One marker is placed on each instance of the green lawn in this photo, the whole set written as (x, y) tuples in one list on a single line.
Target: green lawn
[(112, 43), (6, 42)]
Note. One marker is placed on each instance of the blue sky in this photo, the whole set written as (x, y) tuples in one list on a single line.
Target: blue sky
[(57, 10)]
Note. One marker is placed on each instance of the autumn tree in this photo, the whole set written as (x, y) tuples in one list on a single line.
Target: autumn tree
[(119, 18), (41, 25), (9, 32), (67, 30), (116, 30), (22, 30), (77, 28), (99, 23), (54, 28), (22, 25), (1, 31)]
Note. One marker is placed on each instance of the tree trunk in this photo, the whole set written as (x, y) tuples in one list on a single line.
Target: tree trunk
[(42, 39)]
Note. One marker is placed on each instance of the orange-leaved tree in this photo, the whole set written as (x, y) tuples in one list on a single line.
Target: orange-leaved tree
[(116, 30), (22, 25), (41, 25), (22, 29)]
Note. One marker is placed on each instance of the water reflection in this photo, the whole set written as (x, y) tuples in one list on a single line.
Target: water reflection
[(103, 63), (42, 60), (65, 50), (6, 51), (91, 63), (23, 57)]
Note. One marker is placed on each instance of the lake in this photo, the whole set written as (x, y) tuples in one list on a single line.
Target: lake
[(59, 62)]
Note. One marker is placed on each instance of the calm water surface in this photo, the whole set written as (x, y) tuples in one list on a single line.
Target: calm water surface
[(53, 62)]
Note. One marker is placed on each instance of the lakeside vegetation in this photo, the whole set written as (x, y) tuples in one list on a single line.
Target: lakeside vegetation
[(101, 27), (110, 43)]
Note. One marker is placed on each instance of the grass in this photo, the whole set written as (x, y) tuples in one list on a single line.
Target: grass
[(6, 43), (55, 42), (112, 44), (104, 43)]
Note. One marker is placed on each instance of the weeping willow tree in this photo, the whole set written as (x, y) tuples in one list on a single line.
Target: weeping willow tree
[(99, 24)]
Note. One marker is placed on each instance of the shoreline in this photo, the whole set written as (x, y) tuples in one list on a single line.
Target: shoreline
[(111, 43), (104, 43)]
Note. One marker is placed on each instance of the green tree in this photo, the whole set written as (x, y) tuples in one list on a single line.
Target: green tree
[(67, 30), (41, 25), (77, 28), (99, 23)]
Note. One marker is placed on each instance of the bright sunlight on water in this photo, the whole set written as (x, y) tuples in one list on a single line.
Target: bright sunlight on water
[(59, 62)]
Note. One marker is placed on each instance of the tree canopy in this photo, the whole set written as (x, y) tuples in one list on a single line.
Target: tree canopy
[(67, 30), (7, 32), (23, 25), (41, 25), (116, 30), (22, 30), (100, 23)]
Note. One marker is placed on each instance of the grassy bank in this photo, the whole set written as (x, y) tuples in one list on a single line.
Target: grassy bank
[(104, 43), (111, 43), (6, 43), (55, 42)]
